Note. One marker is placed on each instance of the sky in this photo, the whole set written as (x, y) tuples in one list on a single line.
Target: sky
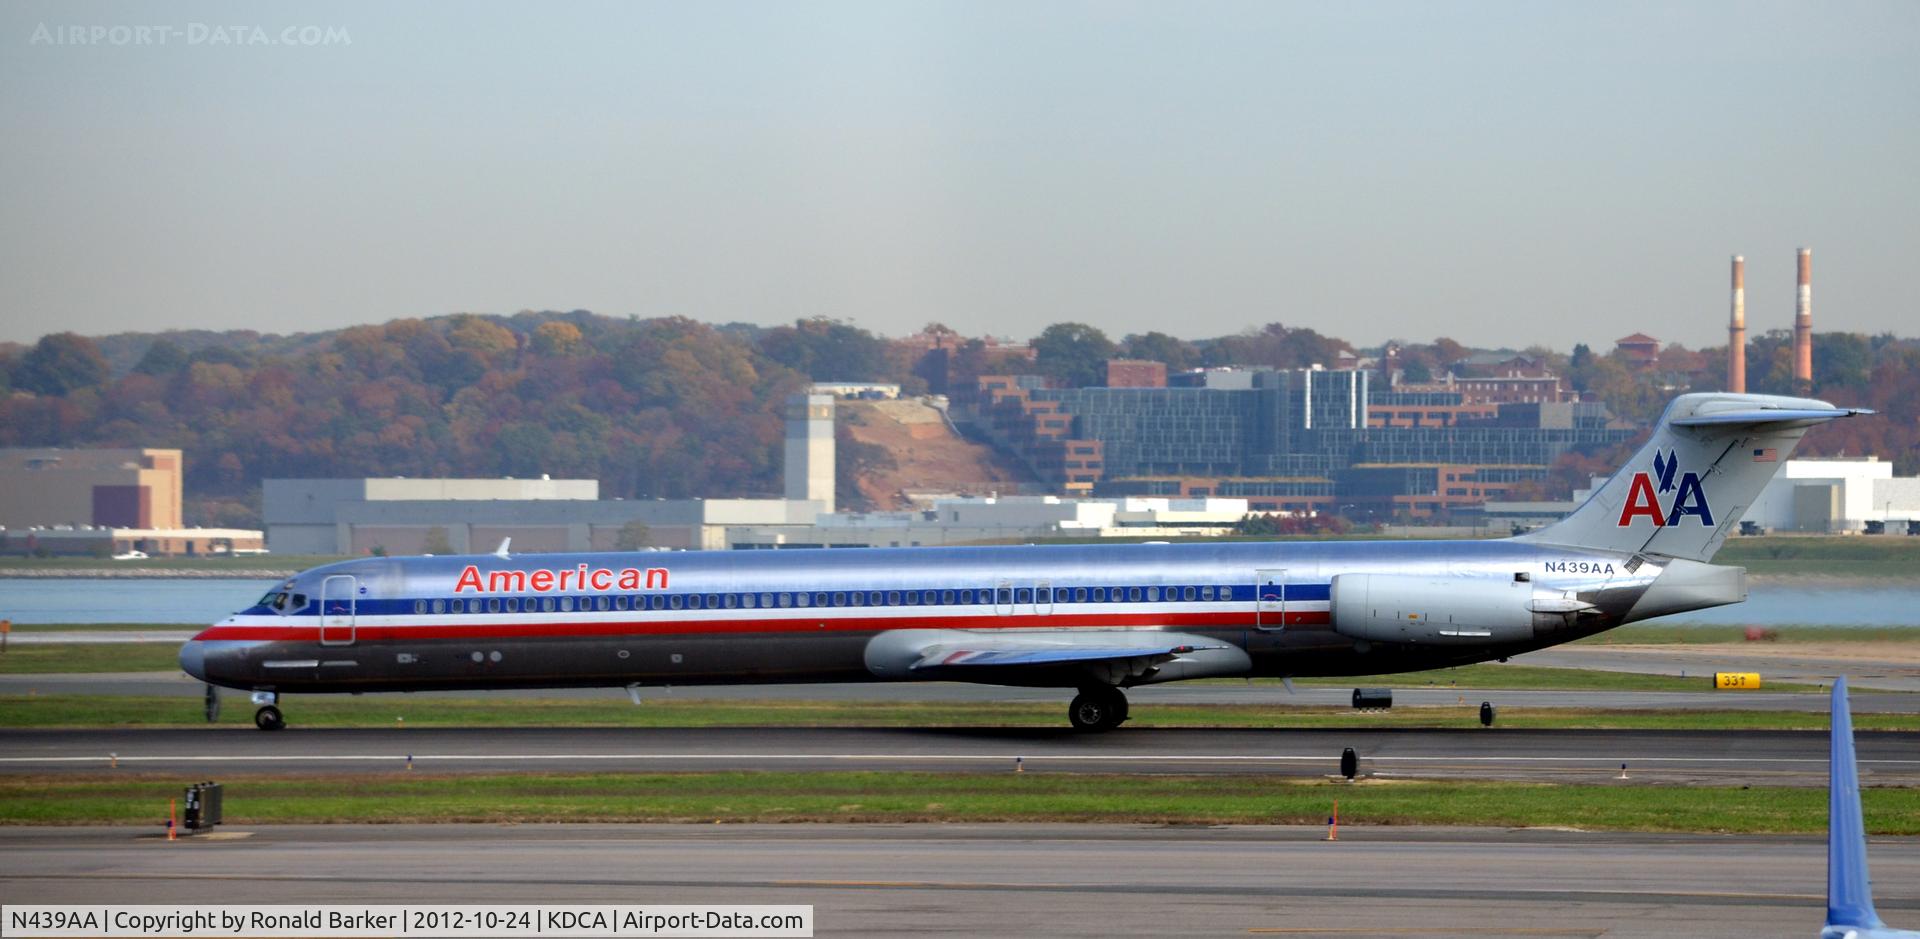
[(1506, 174)]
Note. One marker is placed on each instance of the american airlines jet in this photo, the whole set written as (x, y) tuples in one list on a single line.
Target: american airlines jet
[(1097, 619)]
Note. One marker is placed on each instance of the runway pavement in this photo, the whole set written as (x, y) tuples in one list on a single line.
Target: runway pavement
[(1667, 757), (1092, 880)]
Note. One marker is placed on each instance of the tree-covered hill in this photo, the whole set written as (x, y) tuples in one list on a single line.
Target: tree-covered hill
[(675, 408)]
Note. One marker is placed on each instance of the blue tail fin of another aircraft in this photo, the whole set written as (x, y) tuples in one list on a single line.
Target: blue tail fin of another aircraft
[(1849, 889)]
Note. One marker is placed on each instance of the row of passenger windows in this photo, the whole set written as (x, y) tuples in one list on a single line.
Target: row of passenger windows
[(1015, 596)]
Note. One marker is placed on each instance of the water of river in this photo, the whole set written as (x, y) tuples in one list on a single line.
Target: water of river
[(204, 601)]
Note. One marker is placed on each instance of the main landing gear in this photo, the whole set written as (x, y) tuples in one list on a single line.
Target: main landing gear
[(1101, 707), (268, 717)]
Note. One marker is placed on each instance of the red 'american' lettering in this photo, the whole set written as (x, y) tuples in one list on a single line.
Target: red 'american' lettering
[(579, 577)]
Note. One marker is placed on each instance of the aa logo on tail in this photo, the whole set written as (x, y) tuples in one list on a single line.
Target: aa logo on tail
[(1645, 494)]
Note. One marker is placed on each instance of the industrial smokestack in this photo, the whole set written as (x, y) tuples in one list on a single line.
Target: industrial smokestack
[(1803, 322), (1737, 330)]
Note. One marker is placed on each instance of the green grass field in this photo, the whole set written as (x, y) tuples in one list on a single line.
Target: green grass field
[(1796, 555), (84, 657), (427, 796), (309, 711), (1662, 634)]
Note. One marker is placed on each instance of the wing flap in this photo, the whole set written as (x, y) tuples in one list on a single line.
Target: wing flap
[(1056, 655)]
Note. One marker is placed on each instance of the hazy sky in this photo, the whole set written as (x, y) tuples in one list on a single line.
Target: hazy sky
[(1503, 173)]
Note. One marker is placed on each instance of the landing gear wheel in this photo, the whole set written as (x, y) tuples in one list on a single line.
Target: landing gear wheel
[(1097, 709), (268, 718)]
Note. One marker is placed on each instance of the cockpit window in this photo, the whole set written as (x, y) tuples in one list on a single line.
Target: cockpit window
[(275, 600)]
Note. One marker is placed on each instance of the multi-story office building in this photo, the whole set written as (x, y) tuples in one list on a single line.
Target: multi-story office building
[(1287, 440)]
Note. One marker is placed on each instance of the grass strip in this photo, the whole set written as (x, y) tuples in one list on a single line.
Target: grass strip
[(307, 711), (425, 796), (1530, 678), (108, 627), (89, 657), (1663, 634)]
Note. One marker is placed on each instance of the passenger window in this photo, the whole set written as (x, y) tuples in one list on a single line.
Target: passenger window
[(513, 604), (713, 601), (1153, 594), (766, 599), (946, 597), (1186, 593), (693, 601), (747, 600), (731, 600), (1043, 595), (1099, 594), (786, 599), (874, 598), (912, 597), (1079, 594), (893, 598), (566, 604), (419, 606), (622, 602), (857, 598), (1206, 593), (1023, 595), (439, 606), (602, 603), (801, 599), (1005, 594), (677, 601), (1133, 594), (493, 604), (839, 599)]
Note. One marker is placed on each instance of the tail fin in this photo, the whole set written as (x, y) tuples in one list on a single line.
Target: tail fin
[(1849, 890), (1708, 459)]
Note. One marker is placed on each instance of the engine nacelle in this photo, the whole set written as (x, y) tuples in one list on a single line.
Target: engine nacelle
[(1465, 610)]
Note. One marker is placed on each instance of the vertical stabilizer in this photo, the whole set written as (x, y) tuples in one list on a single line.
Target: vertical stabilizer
[(1849, 889), (1708, 459)]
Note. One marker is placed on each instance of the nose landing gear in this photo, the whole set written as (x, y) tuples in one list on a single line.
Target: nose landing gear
[(1098, 708), (268, 717)]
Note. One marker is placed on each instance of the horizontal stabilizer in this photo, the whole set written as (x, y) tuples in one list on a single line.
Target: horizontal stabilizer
[(1766, 416)]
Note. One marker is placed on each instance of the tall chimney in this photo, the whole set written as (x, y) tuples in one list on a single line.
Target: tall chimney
[(1803, 322), (1737, 330)]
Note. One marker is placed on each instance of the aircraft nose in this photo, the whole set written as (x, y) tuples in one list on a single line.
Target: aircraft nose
[(193, 659)]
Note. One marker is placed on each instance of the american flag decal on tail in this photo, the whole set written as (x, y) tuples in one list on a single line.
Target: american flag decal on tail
[(1765, 455)]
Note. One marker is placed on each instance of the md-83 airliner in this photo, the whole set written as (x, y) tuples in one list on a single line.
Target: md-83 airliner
[(1096, 618)]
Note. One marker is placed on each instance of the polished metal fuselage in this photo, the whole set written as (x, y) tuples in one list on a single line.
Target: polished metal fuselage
[(409, 624)]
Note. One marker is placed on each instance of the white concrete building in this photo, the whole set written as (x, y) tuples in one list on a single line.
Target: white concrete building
[(1835, 495)]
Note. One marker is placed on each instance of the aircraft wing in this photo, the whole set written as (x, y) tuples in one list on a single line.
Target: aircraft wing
[(1060, 657)]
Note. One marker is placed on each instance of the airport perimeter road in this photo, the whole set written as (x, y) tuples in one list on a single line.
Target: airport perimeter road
[(1092, 880), (1682, 757), (1265, 692)]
